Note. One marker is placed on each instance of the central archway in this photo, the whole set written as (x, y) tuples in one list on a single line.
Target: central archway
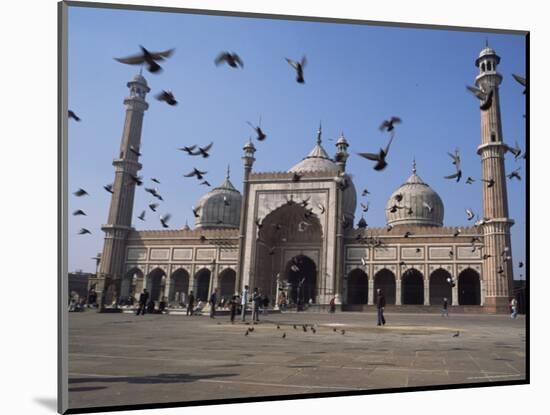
[(293, 226), (131, 286), (385, 281), (202, 284), (412, 287), (358, 287), (301, 275)]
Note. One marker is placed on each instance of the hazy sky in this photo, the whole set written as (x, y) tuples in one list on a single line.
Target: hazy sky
[(356, 76)]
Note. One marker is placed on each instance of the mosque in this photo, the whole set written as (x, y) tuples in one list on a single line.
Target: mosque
[(295, 232)]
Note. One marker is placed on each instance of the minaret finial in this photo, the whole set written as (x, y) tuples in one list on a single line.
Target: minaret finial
[(486, 41), (228, 172), (319, 132), (141, 70), (414, 165)]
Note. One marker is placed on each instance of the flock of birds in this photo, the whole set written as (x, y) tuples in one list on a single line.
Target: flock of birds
[(151, 61)]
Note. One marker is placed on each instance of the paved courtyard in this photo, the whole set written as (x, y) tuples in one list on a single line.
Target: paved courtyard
[(120, 359)]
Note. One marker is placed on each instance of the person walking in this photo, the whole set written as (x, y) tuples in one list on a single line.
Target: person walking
[(256, 300), (445, 311), (213, 304), (380, 304), (143, 298), (190, 304), (332, 305), (233, 303), (514, 306), (244, 301)]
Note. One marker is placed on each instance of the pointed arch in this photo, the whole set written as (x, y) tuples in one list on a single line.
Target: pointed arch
[(358, 287), (412, 283), (202, 284), (155, 284), (385, 281), (179, 287), (440, 288), (469, 287), (227, 280)]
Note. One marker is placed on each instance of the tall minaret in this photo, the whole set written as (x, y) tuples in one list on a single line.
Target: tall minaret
[(497, 269), (126, 166)]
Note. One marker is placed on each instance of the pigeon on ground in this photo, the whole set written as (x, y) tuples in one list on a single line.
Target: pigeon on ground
[(230, 58), (456, 334), (146, 57), (284, 336), (299, 68)]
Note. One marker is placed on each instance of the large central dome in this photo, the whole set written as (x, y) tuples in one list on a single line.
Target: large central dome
[(419, 204), (318, 160)]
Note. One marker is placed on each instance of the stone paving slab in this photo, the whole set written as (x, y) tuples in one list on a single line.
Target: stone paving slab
[(117, 359)]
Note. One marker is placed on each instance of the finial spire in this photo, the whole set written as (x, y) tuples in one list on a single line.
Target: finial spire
[(486, 41), (319, 132), (141, 70), (228, 172), (414, 166)]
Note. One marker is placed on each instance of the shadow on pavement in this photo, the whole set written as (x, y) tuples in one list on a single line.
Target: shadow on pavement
[(161, 378)]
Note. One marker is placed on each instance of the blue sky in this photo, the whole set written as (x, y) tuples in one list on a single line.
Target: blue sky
[(356, 76)]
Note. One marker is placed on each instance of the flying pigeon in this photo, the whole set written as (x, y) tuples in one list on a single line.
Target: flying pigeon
[(189, 150), (197, 173), (138, 180), (364, 207), (204, 150), (205, 183), (260, 135), (469, 180), (81, 192), (232, 59), (84, 231), (74, 116), (365, 192), (457, 232), (469, 213), (427, 206), (148, 58), (456, 162), (299, 68), (135, 151), (516, 151), (380, 158), (514, 174), (153, 206), (109, 188), (522, 81), (490, 182), (79, 212), (168, 97), (486, 98), (154, 179), (321, 208), (164, 220), (142, 215), (388, 125)]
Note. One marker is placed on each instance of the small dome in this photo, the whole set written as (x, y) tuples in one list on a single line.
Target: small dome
[(362, 224), (220, 208), (486, 52), (139, 79), (342, 140), (419, 204)]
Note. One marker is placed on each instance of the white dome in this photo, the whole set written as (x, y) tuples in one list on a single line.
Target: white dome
[(415, 196), (219, 208)]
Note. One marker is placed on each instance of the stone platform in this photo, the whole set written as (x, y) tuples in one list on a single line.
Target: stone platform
[(118, 359)]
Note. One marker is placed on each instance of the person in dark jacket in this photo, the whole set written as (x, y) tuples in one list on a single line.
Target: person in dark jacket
[(213, 304), (256, 300), (445, 310), (190, 304), (380, 304), (143, 298), (233, 304)]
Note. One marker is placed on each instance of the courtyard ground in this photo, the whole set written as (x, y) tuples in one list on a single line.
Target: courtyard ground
[(118, 359)]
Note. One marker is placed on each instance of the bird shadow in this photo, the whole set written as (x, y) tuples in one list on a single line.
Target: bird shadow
[(49, 403), (163, 378)]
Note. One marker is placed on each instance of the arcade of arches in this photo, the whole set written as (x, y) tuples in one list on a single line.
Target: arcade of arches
[(412, 287)]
